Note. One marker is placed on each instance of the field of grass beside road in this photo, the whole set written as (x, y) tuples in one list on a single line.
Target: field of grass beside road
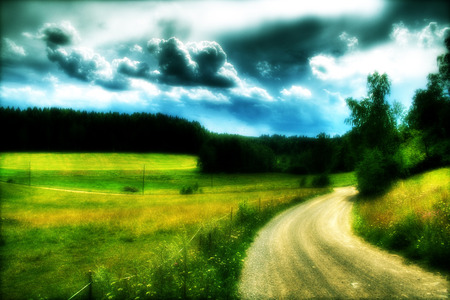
[(52, 238), (112, 172), (412, 218)]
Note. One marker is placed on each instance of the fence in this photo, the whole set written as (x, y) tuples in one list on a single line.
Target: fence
[(89, 286), (90, 283), (231, 216)]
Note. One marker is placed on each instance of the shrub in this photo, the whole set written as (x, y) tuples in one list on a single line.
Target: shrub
[(189, 189), (322, 180), (246, 213), (130, 189), (302, 182), (375, 172)]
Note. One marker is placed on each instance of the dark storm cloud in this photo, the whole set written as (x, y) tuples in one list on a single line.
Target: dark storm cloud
[(86, 65), (194, 64), (132, 68), (283, 49), (78, 62), (58, 34), (204, 63)]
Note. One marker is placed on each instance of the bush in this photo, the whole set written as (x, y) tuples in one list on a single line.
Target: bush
[(302, 182), (189, 189), (130, 189), (320, 181), (246, 213), (375, 172)]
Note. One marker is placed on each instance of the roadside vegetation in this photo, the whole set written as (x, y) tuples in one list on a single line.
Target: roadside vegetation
[(412, 218), (390, 143), (400, 207), (163, 244)]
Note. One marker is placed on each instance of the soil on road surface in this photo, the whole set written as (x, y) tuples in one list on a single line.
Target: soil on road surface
[(309, 251)]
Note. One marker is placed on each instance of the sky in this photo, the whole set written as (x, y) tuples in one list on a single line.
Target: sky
[(243, 67)]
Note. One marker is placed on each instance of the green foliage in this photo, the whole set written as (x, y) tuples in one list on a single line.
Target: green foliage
[(412, 152), (372, 118), (420, 231), (415, 236), (231, 154), (130, 189), (375, 136), (246, 213), (189, 189), (55, 129), (373, 172), (302, 182), (320, 181), (429, 114)]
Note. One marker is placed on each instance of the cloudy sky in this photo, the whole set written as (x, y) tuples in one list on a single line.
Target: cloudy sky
[(246, 67)]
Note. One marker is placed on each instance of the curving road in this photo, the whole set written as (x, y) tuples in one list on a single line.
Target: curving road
[(309, 251)]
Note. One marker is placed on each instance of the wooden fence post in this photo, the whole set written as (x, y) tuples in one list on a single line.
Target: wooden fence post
[(143, 181)]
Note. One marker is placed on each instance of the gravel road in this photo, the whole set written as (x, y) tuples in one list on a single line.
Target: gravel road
[(309, 251)]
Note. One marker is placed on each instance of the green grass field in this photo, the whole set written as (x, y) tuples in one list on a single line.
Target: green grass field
[(75, 215), (112, 172), (412, 218)]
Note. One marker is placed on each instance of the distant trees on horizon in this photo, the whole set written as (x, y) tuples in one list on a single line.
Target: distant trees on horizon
[(56, 129)]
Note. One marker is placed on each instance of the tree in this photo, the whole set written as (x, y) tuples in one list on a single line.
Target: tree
[(373, 119), (374, 136), (429, 114)]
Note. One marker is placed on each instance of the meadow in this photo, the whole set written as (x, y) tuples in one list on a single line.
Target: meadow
[(65, 214), (412, 218)]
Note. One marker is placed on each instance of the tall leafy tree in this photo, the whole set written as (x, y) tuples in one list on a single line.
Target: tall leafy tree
[(372, 118), (430, 111), (375, 135)]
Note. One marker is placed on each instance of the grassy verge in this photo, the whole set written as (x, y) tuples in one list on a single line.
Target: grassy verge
[(206, 265), (413, 218), (124, 173)]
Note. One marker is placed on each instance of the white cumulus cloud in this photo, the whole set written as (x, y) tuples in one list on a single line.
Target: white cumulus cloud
[(297, 92)]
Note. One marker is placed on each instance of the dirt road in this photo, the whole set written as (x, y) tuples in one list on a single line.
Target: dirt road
[(309, 251)]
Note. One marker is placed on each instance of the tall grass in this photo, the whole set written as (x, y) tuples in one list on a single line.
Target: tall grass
[(204, 266), (413, 218), (50, 239), (136, 245)]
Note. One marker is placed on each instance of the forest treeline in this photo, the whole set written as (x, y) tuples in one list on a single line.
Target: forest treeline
[(57, 129)]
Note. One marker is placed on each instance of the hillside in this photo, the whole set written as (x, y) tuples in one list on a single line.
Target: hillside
[(413, 218)]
